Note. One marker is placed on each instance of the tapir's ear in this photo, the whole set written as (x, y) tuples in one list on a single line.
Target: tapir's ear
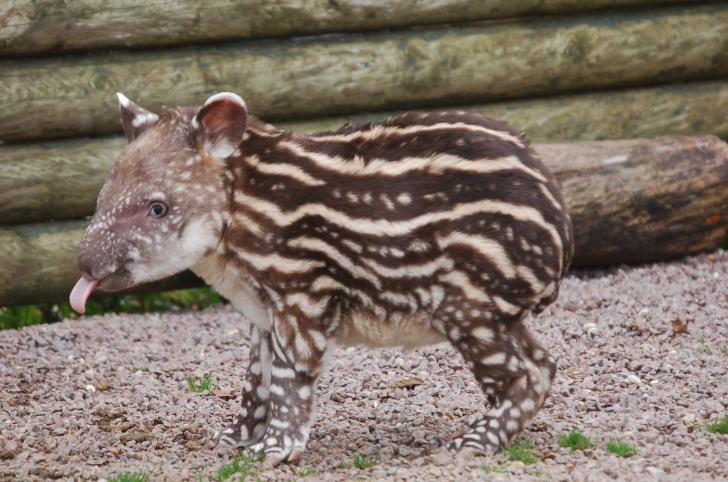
[(221, 123), (134, 118)]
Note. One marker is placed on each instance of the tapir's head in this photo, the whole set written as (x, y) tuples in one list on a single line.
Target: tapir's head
[(165, 204)]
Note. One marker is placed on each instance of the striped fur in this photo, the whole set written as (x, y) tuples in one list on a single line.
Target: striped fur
[(388, 208)]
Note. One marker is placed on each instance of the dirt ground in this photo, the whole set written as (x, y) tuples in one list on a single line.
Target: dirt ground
[(92, 398)]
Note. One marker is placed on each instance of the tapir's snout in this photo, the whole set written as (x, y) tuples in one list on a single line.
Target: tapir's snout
[(101, 259)]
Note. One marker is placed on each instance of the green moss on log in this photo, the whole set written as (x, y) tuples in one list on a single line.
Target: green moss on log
[(30, 26), (298, 78), (690, 108)]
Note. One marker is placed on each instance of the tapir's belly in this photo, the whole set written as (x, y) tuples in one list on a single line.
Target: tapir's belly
[(358, 327), (409, 331)]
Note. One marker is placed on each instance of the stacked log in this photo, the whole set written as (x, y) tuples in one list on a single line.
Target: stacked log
[(29, 26), (630, 201), (51, 98)]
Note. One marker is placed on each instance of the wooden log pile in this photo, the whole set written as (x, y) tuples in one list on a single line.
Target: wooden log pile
[(31, 27), (585, 74)]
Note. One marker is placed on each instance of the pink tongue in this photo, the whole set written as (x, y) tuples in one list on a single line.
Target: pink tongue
[(80, 293)]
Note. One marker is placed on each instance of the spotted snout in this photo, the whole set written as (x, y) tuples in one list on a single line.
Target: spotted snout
[(103, 256)]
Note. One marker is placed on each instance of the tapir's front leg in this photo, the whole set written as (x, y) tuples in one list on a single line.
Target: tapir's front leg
[(300, 352), (252, 418)]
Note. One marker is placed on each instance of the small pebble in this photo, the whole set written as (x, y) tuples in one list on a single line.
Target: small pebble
[(517, 467), (689, 418), (632, 378), (655, 471)]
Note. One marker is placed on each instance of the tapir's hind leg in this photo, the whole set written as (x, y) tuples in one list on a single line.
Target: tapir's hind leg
[(515, 373)]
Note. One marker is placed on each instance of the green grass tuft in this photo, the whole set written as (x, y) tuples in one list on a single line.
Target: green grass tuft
[(20, 316), (202, 475), (621, 449), (130, 477), (193, 299), (575, 441), (704, 347), (521, 452), (719, 426), (243, 464), (493, 469), (200, 385), (362, 462), (306, 471)]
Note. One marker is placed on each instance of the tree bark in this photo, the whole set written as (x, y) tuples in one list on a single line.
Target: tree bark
[(630, 201), (60, 180), (32, 27), (295, 78), (636, 201)]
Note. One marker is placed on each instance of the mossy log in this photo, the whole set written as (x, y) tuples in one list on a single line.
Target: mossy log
[(31, 26), (60, 180), (294, 78), (630, 201), (689, 108), (55, 180)]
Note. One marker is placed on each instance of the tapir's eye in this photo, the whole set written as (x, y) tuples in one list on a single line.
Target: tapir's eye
[(157, 209)]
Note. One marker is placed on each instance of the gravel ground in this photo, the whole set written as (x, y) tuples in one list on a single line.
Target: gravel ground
[(89, 399)]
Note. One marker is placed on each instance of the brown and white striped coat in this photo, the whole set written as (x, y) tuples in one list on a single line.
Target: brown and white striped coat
[(416, 230)]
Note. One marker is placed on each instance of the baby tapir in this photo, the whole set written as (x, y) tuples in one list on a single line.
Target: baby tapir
[(419, 229)]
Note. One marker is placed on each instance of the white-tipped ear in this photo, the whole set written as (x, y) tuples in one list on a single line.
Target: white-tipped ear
[(221, 121), (134, 118)]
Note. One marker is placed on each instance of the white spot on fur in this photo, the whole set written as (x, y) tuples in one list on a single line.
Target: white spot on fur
[(484, 334), (304, 392), (282, 372), (279, 424), (144, 118), (220, 150), (262, 392), (495, 359)]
